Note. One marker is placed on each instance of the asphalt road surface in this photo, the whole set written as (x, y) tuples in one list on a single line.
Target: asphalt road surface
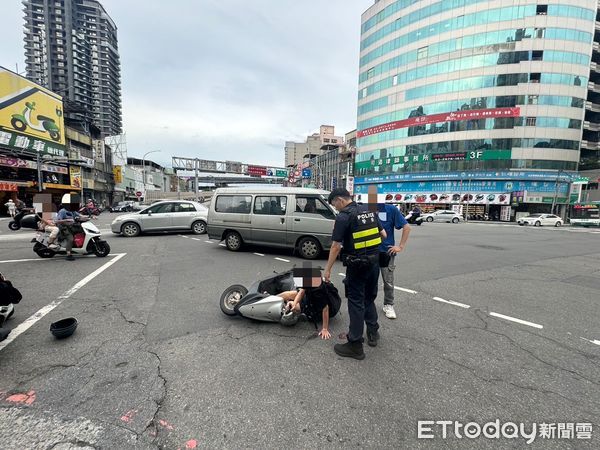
[(494, 323)]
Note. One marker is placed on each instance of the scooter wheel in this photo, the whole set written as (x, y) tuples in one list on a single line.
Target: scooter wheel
[(230, 297), (14, 225), (45, 253), (102, 249)]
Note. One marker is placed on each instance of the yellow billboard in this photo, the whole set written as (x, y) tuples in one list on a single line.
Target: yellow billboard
[(75, 173), (118, 174), (31, 117)]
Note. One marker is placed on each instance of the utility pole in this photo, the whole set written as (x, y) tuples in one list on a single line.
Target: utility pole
[(196, 163), (555, 192), (468, 197), (39, 173)]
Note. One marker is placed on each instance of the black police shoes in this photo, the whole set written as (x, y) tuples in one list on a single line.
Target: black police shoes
[(372, 338), (4, 332), (350, 350)]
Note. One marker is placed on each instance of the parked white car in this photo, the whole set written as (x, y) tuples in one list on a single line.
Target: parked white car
[(174, 215), (537, 220), (442, 215)]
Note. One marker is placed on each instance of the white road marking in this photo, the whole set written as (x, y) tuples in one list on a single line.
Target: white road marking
[(21, 260), (597, 342), (49, 259), (513, 319), (17, 237), (222, 245), (259, 254), (410, 291), (281, 259), (450, 302), (29, 322), (209, 242), (185, 237), (195, 239), (342, 274)]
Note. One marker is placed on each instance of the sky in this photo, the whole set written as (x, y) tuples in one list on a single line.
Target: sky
[(226, 79)]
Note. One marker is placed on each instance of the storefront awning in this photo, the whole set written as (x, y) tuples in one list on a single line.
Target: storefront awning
[(67, 187)]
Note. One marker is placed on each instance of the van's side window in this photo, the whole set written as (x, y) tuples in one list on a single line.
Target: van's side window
[(313, 205), (273, 206), (233, 204)]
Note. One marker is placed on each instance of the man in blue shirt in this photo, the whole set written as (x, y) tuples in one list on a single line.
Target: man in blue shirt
[(391, 218)]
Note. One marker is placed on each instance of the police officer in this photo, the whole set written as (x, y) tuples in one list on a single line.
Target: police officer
[(357, 234)]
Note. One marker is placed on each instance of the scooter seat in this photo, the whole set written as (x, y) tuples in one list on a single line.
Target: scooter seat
[(50, 119)]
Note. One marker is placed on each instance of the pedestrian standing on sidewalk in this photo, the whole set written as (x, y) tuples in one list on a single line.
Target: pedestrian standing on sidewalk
[(391, 219), (11, 206)]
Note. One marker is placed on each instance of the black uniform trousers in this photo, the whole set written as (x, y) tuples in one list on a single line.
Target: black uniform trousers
[(361, 291)]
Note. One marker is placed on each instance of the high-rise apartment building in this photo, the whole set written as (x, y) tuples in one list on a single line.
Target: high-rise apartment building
[(316, 144), (483, 101), (71, 48)]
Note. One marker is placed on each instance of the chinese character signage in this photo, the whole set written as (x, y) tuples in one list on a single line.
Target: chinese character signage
[(476, 114), (474, 175), (8, 187), (75, 172), (388, 163), (31, 117), (257, 171), (18, 163), (118, 174), (350, 185)]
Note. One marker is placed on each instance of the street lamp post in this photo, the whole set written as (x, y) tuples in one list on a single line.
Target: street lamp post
[(144, 168)]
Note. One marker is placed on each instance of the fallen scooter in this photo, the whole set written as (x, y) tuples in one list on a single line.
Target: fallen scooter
[(260, 301), (86, 240)]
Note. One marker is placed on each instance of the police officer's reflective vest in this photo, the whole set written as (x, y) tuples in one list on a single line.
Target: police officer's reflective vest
[(365, 231)]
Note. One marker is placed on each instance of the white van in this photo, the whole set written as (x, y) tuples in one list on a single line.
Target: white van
[(295, 218)]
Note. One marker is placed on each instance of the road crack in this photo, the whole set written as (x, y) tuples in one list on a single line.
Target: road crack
[(534, 356), (159, 403)]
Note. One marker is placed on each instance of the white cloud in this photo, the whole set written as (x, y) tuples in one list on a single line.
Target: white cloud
[(228, 79)]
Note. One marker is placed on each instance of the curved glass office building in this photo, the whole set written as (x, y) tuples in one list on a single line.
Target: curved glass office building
[(477, 100)]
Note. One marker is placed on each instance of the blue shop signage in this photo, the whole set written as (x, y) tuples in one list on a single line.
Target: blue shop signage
[(465, 186), (465, 176)]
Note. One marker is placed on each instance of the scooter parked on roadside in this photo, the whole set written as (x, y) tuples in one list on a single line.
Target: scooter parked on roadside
[(86, 240), (414, 219), (88, 211)]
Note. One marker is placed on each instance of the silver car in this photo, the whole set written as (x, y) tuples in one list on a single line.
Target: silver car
[(443, 215), (538, 220), (174, 215)]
